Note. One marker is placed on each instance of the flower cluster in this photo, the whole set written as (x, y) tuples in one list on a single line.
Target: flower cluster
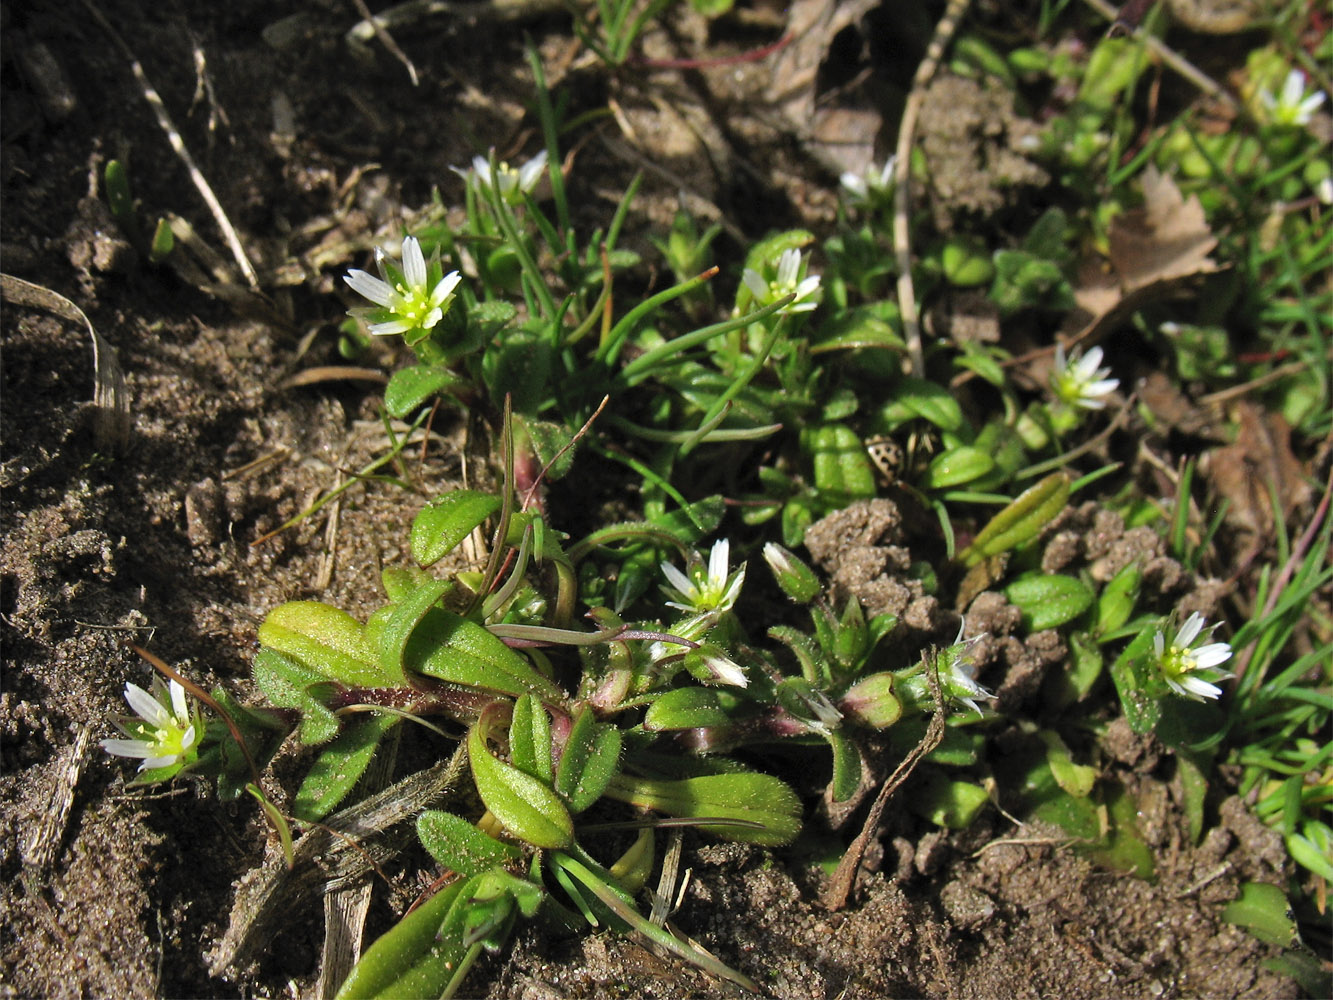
[(714, 589), (1080, 381), (512, 184), (413, 297), (872, 186), (1292, 106), (166, 732), (786, 281), (1187, 670)]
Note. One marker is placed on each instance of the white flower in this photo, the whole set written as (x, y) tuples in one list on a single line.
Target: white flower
[(512, 183), (1186, 670), (722, 669), (787, 281), (1292, 106), (413, 298), (710, 591), (166, 731), (958, 674), (1079, 381), (863, 189)]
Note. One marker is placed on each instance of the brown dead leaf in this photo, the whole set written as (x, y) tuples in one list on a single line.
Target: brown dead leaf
[(1168, 238), (1153, 250), (844, 138), (1259, 464)]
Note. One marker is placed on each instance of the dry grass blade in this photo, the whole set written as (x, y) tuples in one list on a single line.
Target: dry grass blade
[(178, 145), (902, 197), (111, 400), (268, 895)]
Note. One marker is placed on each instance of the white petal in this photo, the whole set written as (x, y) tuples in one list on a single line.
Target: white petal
[(414, 263), (188, 739), (444, 288), (1200, 688), (147, 707), (1212, 655), (807, 287), (391, 327), (1088, 364), (717, 561), (1293, 89), (678, 580), (1159, 644), (1103, 388), (733, 590), (129, 748), (482, 169), (156, 762), (789, 265), (1061, 362), (1190, 630), (180, 708), (854, 185), (530, 171), (370, 286), (886, 175), (757, 286)]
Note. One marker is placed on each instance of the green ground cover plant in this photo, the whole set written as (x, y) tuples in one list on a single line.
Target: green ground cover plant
[(645, 675)]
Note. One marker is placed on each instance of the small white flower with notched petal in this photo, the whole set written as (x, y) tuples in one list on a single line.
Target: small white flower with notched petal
[(165, 733), (958, 674), (414, 297), (787, 281), (1080, 381), (710, 591), (873, 185), (1292, 106), (1189, 671), (511, 183)]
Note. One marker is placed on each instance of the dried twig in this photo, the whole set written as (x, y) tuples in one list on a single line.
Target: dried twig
[(386, 39), (902, 238), (840, 886), (178, 144)]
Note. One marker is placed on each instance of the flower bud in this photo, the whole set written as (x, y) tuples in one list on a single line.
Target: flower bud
[(797, 580)]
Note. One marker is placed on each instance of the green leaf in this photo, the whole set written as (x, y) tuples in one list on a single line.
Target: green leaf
[(959, 465), (411, 387), (1135, 679), (846, 766), (410, 951), (1118, 598), (289, 683), (339, 766), (1048, 600), (915, 398), (459, 846), (326, 639), (758, 798), (1076, 779), (591, 759), (451, 648), (526, 807), (1021, 521), (446, 521), (685, 708), (842, 468), (402, 621), (1263, 910), (948, 803), (530, 739)]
